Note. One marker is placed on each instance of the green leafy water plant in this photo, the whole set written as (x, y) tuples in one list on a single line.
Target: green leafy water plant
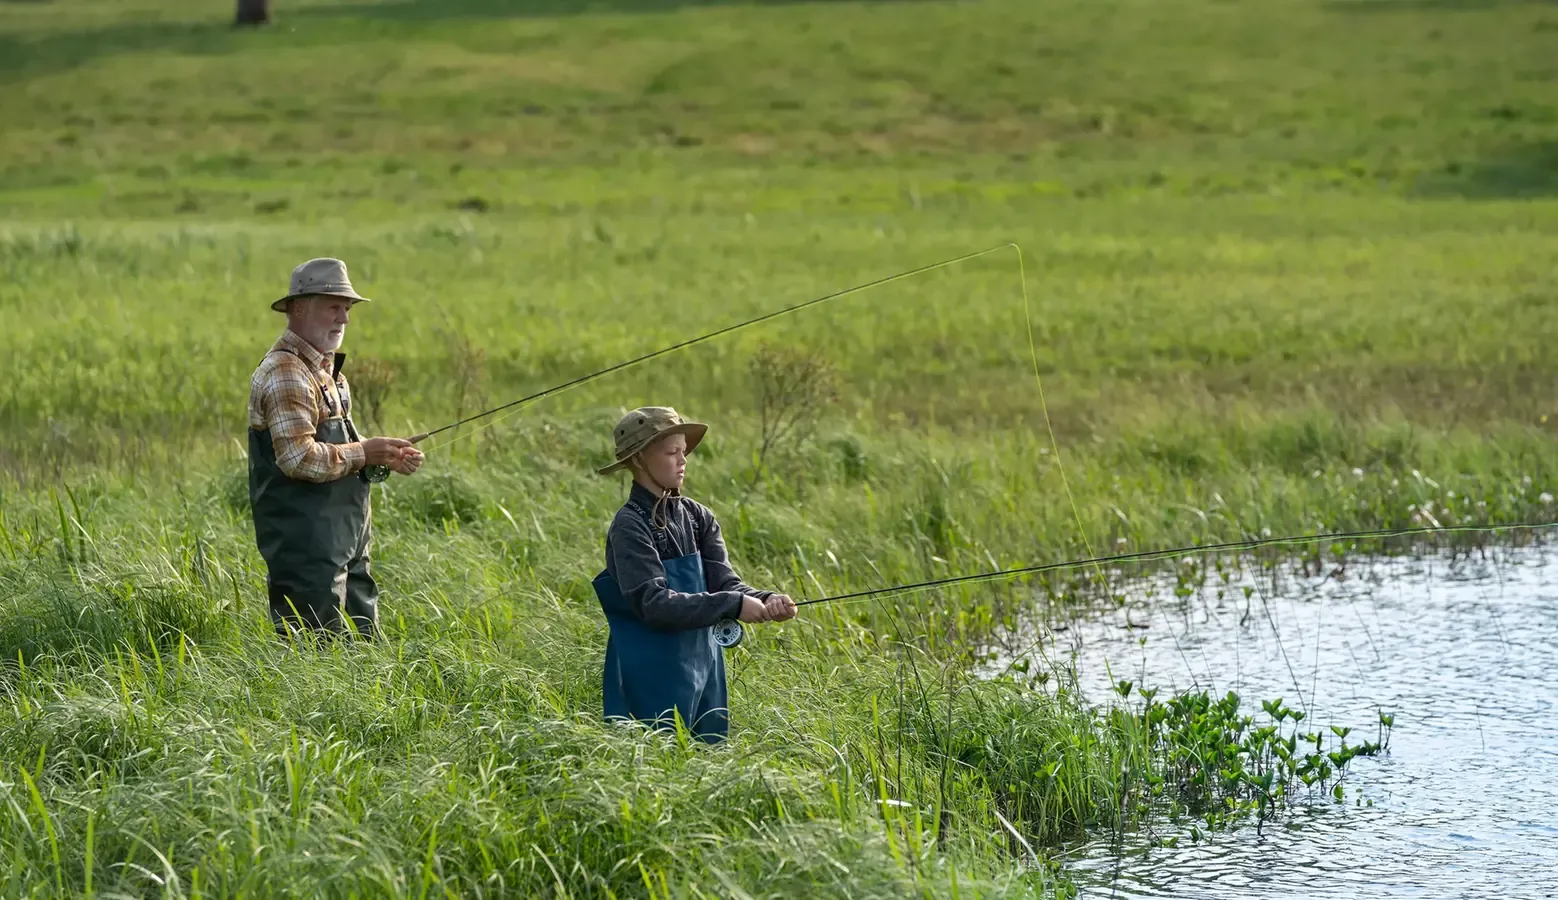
[(1218, 765)]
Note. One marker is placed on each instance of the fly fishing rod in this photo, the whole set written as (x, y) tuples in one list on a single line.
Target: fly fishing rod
[(728, 633), (377, 474), (1152, 555), (757, 320)]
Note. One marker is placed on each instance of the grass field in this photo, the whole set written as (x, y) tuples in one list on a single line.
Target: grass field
[(1289, 267)]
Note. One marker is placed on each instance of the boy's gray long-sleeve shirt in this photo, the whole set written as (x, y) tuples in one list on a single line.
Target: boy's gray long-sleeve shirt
[(633, 558)]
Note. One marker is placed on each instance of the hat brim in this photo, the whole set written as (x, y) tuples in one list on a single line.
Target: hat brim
[(694, 431), (356, 298)]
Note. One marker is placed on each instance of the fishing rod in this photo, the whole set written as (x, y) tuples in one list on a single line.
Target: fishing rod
[(585, 379), (1151, 555), (728, 632)]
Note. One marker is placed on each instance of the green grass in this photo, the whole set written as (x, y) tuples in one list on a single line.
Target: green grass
[(1289, 267)]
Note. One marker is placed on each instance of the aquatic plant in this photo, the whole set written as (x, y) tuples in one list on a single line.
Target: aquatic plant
[(1213, 763)]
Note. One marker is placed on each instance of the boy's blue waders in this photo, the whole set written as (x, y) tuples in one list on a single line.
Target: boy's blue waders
[(652, 675)]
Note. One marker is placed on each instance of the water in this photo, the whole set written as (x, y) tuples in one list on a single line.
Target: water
[(1464, 803)]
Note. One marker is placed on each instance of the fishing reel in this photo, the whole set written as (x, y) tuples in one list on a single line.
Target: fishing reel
[(374, 474), (728, 633)]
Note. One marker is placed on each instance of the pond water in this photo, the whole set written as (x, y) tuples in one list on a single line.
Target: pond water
[(1463, 804)]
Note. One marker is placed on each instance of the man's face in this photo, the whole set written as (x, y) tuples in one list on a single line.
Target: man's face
[(321, 321)]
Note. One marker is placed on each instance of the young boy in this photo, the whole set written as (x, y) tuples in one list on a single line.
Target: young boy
[(667, 582)]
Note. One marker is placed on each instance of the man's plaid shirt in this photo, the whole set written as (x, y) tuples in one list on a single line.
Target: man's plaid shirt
[(291, 393)]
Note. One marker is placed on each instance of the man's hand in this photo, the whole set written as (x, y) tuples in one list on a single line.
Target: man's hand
[(397, 453), (753, 610), (410, 461), (780, 607), (384, 451)]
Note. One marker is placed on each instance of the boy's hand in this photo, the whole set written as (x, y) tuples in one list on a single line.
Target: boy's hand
[(753, 610), (780, 607)]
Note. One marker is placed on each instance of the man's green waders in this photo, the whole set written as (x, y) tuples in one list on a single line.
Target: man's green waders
[(653, 674), (314, 538)]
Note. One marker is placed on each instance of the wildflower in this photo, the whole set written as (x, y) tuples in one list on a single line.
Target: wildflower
[(1357, 472), (1265, 532), (1545, 497), (1119, 540)]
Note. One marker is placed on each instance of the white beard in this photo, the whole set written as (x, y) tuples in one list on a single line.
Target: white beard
[(324, 341)]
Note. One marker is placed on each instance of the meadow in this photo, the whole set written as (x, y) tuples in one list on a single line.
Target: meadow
[(1288, 270)]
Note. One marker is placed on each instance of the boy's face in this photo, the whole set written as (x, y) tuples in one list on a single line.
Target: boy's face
[(666, 461)]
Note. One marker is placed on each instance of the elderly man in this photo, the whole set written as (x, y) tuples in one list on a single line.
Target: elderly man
[(309, 470)]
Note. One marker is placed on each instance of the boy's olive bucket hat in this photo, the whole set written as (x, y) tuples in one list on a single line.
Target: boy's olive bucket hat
[(643, 426), (319, 276)]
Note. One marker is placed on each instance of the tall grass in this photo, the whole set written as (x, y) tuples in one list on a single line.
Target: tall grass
[(465, 756), (146, 696), (1289, 269)]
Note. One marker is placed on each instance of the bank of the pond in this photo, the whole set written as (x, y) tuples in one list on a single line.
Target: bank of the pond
[(148, 707)]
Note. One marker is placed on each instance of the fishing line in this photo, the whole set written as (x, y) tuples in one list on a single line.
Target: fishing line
[(1076, 514), (1033, 355), (1172, 553), (593, 376), (1276, 635)]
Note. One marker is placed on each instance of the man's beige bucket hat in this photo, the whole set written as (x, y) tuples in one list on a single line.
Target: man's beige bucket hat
[(320, 276)]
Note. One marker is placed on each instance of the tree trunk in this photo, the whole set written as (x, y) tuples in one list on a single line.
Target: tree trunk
[(253, 12)]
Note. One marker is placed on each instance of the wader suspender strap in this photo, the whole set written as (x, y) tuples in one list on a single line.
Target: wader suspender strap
[(663, 536), (333, 402)]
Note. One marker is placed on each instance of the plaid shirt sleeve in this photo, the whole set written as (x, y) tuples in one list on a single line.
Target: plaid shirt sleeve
[(285, 398)]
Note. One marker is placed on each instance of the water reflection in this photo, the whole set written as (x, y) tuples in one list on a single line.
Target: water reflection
[(1462, 806)]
